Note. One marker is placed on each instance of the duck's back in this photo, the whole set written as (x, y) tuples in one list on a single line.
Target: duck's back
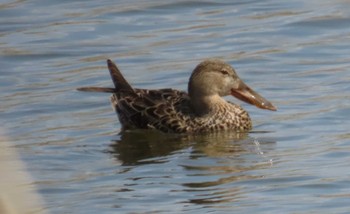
[(166, 110)]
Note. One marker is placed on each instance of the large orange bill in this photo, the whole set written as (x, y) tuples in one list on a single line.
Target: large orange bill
[(246, 94)]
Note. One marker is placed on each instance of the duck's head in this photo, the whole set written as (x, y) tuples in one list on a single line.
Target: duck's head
[(214, 77)]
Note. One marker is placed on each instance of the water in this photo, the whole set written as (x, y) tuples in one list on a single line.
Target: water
[(295, 53)]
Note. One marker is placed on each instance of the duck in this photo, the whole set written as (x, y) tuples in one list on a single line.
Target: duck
[(200, 110)]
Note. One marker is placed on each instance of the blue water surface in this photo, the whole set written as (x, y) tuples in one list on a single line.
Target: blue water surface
[(295, 53)]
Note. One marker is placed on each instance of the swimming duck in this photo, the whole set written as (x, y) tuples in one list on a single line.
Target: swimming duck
[(200, 110)]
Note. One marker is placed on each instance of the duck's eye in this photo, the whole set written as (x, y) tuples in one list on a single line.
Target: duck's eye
[(224, 72)]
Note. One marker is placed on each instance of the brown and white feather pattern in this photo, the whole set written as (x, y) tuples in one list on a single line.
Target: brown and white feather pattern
[(170, 111)]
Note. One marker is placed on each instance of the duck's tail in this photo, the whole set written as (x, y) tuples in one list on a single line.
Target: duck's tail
[(119, 81), (97, 89)]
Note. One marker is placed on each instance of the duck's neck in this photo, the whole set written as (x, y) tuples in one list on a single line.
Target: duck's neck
[(204, 105)]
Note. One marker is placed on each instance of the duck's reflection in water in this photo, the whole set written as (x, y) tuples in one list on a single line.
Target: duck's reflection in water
[(135, 146), (211, 165)]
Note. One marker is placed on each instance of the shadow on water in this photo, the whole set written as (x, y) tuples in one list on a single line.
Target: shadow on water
[(134, 147), (210, 165)]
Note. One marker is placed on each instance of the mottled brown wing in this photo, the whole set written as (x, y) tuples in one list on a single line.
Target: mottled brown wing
[(163, 109)]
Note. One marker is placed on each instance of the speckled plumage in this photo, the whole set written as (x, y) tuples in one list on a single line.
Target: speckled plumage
[(172, 111)]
